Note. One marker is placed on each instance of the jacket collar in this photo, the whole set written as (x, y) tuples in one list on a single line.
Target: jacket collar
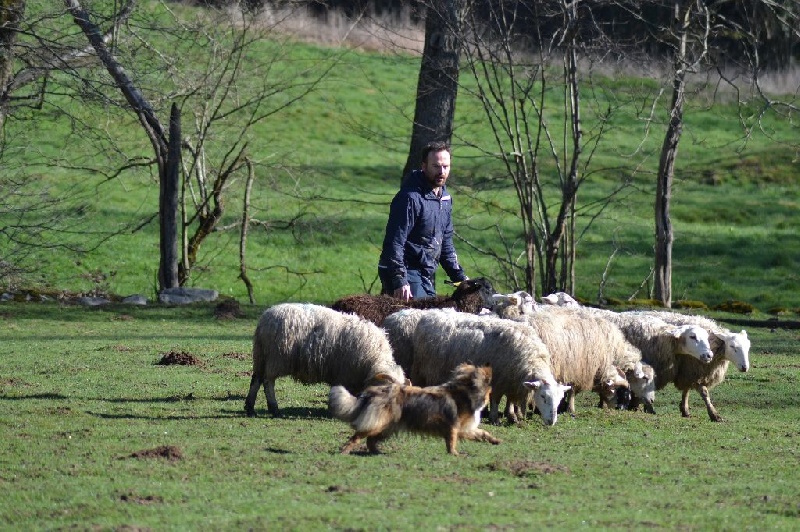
[(416, 180)]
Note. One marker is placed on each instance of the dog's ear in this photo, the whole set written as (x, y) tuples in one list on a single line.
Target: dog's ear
[(381, 378)]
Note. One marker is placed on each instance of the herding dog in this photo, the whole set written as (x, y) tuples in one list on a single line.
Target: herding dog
[(451, 410)]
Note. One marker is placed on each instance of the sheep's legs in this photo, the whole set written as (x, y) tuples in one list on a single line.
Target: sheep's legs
[(703, 391), (252, 394), (706, 395), (494, 418), (272, 402), (510, 412)]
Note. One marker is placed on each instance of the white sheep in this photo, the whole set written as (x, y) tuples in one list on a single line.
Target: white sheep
[(560, 299), (727, 347), (734, 346), (513, 305), (586, 351), (315, 344), (664, 346), (400, 328), (520, 361)]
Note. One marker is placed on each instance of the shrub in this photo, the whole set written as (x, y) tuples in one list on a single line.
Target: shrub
[(737, 307), (689, 304)]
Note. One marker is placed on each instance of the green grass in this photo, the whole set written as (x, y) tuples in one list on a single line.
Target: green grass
[(81, 392)]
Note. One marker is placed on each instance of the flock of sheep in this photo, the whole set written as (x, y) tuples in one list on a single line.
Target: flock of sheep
[(541, 354)]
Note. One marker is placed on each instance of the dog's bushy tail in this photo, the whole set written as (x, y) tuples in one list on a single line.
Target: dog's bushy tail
[(342, 404)]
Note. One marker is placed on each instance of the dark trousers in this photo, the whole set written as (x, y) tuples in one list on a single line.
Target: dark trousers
[(421, 287)]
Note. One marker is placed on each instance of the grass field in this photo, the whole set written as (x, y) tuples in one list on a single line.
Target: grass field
[(98, 435)]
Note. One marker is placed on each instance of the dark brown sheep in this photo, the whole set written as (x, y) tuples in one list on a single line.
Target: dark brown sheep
[(469, 296)]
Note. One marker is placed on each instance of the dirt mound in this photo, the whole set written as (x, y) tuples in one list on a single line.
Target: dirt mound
[(228, 309), (521, 468), (168, 452), (180, 358)]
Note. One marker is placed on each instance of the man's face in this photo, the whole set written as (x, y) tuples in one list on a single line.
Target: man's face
[(437, 168)]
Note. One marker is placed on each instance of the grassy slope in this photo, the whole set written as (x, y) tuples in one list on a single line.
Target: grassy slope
[(345, 143)]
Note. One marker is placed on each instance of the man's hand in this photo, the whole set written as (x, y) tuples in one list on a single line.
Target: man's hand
[(404, 292)]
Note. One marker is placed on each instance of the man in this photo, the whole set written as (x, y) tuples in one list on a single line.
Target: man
[(419, 233)]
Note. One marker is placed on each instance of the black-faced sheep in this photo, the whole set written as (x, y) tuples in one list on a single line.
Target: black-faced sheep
[(469, 296), (313, 344), (692, 375), (520, 361)]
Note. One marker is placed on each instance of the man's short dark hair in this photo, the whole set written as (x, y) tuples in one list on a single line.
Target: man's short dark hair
[(435, 146)]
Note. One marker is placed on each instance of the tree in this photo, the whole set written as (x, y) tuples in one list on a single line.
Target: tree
[(200, 72), (517, 79), (688, 15), (437, 86)]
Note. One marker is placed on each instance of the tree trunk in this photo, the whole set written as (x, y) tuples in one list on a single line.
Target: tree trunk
[(11, 12), (168, 206), (662, 276), (437, 85)]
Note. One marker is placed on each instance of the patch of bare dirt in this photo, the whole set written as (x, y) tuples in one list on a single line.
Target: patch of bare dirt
[(168, 452), (228, 309), (237, 356), (521, 468), (140, 499), (121, 348), (180, 358)]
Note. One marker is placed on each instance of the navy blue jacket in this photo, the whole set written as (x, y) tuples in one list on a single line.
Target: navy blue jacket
[(419, 233)]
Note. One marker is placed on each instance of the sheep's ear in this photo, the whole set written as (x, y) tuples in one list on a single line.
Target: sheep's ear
[(533, 385), (677, 332), (566, 387)]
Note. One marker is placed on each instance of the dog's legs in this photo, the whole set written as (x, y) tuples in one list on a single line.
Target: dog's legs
[(451, 440), (352, 443), (372, 443), (480, 435)]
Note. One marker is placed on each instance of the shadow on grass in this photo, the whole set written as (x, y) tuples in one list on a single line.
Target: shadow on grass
[(296, 412), (36, 396), (103, 415), (286, 414)]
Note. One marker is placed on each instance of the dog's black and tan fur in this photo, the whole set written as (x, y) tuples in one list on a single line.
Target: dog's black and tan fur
[(451, 410)]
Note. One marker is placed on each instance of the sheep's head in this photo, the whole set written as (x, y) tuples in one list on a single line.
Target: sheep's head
[(643, 385), (560, 299), (547, 395), (465, 289), (609, 386), (513, 305), (694, 341), (737, 349)]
